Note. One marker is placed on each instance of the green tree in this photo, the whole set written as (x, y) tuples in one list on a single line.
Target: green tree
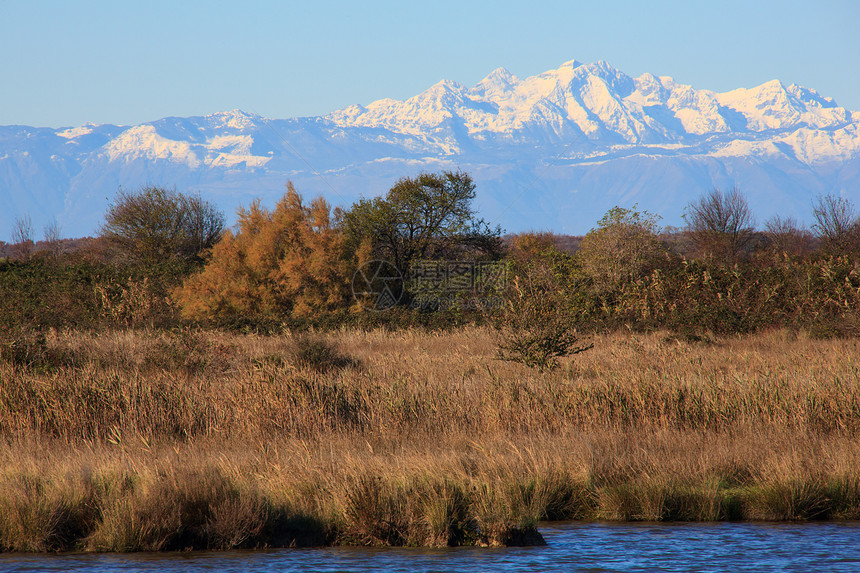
[(429, 216), (157, 224)]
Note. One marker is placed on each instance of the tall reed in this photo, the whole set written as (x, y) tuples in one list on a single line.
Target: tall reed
[(155, 440)]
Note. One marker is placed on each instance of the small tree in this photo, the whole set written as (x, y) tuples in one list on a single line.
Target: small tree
[(157, 224), (52, 238), (529, 246), (785, 237), (291, 261), (22, 237), (620, 249), (836, 223), (720, 224)]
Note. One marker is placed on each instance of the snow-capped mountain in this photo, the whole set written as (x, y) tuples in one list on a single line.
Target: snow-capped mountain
[(553, 151)]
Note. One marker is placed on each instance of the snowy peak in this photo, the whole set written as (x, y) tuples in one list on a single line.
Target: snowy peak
[(773, 106), (620, 84), (144, 142), (235, 119), (499, 82), (76, 132), (810, 96), (596, 101), (443, 94), (223, 139), (582, 128)]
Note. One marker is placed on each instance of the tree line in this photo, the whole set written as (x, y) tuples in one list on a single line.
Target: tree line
[(166, 257)]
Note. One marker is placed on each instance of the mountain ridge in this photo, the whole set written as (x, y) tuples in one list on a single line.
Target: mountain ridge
[(552, 151)]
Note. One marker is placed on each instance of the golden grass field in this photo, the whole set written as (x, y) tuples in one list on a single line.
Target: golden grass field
[(148, 440)]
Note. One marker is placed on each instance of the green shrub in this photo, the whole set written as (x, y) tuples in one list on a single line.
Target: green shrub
[(537, 325), (156, 224)]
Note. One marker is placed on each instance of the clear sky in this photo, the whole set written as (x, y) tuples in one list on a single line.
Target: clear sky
[(65, 63)]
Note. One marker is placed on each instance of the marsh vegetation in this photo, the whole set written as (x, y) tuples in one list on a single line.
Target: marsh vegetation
[(154, 440), (240, 396)]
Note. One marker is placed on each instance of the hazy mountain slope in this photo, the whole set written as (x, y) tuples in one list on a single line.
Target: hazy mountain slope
[(552, 151)]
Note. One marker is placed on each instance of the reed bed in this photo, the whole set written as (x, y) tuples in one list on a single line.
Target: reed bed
[(154, 440)]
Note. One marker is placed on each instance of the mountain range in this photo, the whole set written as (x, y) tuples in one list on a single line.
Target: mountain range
[(553, 151)]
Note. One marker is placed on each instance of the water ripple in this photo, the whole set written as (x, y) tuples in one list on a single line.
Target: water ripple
[(591, 547)]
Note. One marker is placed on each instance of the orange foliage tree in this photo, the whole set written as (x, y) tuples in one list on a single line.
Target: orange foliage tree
[(292, 261)]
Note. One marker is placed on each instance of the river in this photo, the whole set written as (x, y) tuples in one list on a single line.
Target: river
[(591, 547)]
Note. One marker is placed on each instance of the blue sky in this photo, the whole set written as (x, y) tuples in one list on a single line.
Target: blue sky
[(67, 63)]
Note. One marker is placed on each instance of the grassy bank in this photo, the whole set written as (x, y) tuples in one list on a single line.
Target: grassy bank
[(169, 440)]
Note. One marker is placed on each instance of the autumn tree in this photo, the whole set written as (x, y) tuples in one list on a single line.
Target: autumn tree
[(292, 261), (531, 245), (620, 249)]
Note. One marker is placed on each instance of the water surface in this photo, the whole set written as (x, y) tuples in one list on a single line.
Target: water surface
[(592, 547)]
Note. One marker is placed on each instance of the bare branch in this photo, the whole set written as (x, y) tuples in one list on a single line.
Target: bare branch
[(22, 237), (836, 223), (721, 224)]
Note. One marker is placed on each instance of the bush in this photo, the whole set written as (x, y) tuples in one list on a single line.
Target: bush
[(537, 326), (30, 350), (319, 355), (700, 296)]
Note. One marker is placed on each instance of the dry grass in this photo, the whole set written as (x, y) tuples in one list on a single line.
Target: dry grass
[(153, 440)]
